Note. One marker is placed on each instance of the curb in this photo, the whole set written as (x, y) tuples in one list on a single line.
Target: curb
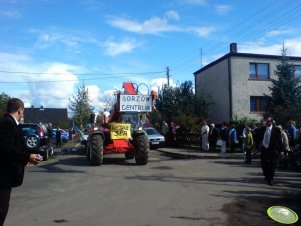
[(180, 153)]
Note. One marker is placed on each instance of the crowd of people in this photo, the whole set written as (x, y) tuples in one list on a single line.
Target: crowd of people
[(273, 142), (232, 137)]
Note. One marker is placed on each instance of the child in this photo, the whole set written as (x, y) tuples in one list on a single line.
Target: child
[(249, 145)]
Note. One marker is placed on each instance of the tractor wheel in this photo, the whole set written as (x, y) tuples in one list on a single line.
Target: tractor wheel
[(129, 155), (87, 151), (96, 150), (142, 148)]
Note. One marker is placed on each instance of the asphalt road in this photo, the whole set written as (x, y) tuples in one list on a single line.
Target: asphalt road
[(65, 190)]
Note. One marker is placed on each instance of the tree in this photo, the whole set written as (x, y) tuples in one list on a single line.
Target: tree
[(183, 106), (3, 102), (284, 103), (81, 106)]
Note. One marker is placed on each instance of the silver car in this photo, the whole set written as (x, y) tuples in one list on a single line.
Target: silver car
[(155, 138)]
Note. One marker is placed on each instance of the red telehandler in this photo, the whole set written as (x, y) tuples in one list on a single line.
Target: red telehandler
[(123, 133)]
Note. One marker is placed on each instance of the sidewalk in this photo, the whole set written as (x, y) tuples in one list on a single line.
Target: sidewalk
[(187, 152)]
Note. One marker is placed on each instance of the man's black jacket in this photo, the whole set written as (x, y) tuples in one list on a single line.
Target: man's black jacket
[(13, 158), (275, 140)]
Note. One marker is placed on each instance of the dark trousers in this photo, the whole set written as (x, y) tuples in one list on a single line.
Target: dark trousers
[(232, 146), (268, 163), (212, 144), (58, 143), (4, 204), (248, 155)]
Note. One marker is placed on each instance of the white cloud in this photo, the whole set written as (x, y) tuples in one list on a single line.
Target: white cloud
[(222, 9), (204, 31), (58, 96), (114, 48), (11, 13), (193, 2), (95, 96), (157, 25), (279, 32), (172, 14), (30, 88), (154, 25), (293, 47), (92, 4), (10, 57), (158, 83), (70, 39)]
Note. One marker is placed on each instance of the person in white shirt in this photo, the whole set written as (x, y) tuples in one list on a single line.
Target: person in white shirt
[(204, 135)]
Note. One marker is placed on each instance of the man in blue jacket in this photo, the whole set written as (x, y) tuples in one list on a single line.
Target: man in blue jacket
[(13, 158), (232, 138)]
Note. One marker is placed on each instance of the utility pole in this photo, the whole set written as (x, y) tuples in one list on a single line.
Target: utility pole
[(167, 75)]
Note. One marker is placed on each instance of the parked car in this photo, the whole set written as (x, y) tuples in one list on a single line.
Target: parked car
[(64, 135), (156, 139), (35, 139)]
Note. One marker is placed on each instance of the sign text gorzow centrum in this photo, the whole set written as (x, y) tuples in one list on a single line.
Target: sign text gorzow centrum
[(137, 103)]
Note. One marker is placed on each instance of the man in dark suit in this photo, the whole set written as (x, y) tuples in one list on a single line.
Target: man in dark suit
[(13, 158), (270, 137), (213, 137)]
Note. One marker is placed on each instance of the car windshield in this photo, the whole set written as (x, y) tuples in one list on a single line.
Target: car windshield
[(151, 131)]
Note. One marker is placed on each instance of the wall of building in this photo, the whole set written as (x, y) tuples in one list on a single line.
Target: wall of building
[(243, 87), (215, 82)]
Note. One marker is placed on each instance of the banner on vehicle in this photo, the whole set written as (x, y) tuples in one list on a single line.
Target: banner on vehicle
[(120, 131), (135, 103)]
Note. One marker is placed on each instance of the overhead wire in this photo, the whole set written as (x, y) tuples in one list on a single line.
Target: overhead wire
[(259, 21), (260, 27), (234, 27), (122, 75), (263, 28)]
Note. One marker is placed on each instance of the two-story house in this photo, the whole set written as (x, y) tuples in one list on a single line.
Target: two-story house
[(237, 82)]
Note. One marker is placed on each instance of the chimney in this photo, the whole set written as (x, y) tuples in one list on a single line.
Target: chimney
[(233, 48)]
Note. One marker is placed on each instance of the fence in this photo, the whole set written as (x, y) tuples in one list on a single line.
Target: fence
[(188, 138)]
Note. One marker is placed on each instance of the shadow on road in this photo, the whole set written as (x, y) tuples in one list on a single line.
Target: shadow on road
[(250, 209)]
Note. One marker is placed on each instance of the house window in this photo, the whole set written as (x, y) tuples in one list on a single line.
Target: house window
[(259, 71), (257, 103), (297, 71)]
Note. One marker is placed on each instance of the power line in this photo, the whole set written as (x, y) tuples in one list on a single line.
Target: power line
[(75, 80), (60, 73), (259, 21), (284, 18), (232, 28)]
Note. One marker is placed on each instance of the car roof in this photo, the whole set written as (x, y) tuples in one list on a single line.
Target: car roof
[(29, 124)]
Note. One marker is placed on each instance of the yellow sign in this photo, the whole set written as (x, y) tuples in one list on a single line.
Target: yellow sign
[(120, 131)]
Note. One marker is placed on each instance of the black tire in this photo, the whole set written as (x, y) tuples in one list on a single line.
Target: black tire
[(129, 155), (141, 144), (32, 142), (46, 155), (96, 150), (87, 152)]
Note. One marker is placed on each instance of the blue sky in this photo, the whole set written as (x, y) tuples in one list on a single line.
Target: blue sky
[(50, 47)]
